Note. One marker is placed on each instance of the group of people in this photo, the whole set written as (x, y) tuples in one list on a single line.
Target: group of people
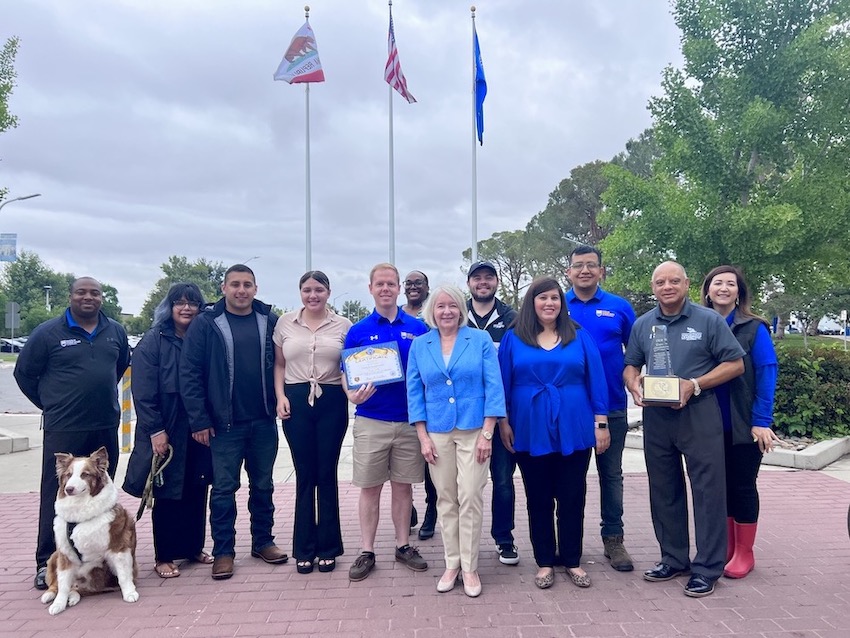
[(484, 388)]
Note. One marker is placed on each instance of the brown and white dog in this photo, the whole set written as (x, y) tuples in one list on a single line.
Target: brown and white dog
[(95, 535)]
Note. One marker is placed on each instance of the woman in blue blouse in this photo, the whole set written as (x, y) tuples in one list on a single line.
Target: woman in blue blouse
[(557, 404), (746, 404), (454, 397)]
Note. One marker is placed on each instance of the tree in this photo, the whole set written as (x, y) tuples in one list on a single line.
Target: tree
[(206, 274), (354, 311), (24, 282), (7, 84), (754, 134)]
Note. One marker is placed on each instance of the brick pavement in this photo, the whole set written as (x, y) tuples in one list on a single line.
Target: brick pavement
[(798, 588)]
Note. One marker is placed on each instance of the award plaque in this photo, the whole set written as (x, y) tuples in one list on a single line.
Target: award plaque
[(376, 364), (660, 385)]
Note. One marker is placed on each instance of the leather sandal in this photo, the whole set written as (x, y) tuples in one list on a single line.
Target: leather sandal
[(203, 558), (166, 570), (327, 564)]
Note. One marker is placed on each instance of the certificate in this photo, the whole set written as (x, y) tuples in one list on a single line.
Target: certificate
[(376, 364)]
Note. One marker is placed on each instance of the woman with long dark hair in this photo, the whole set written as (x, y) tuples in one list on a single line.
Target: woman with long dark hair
[(557, 403), (180, 499), (746, 404), (314, 410)]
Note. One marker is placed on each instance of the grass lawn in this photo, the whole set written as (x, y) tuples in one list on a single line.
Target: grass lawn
[(795, 342), (8, 357)]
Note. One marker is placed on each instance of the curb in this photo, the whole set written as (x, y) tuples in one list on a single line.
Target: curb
[(11, 442), (814, 457)]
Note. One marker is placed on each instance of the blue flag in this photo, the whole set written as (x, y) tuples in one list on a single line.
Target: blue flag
[(480, 88)]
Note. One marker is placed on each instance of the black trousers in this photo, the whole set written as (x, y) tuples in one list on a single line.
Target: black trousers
[(695, 433), (551, 479), (742, 470), (315, 437), (179, 525), (78, 444)]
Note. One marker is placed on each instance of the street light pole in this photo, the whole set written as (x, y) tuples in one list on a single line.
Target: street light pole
[(47, 290), (342, 294), (19, 199)]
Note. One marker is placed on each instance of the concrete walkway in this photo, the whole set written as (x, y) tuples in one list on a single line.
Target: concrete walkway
[(798, 588)]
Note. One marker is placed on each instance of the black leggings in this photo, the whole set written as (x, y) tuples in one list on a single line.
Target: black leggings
[(742, 469)]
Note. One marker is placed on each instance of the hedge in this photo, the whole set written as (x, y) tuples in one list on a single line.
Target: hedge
[(813, 393)]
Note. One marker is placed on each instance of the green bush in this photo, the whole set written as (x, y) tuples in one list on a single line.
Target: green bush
[(813, 393)]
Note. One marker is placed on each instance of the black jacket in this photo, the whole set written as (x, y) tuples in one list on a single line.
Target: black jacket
[(206, 367), (742, 389), (72, 379), (497, 323), (156, 396)]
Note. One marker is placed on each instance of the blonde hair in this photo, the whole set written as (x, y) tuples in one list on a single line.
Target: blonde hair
[(383, 266), (454, 293)]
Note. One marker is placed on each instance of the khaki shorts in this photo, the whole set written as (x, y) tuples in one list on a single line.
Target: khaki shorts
[(386, 450)]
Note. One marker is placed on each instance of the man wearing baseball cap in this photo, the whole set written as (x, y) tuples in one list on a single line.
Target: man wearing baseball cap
[(486, 312)]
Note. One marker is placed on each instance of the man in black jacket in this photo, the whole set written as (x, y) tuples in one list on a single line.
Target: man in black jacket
[(486, 312), (70, 369), (227, 385)]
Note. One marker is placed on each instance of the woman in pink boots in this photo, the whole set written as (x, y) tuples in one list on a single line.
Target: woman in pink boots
[(746, 404)]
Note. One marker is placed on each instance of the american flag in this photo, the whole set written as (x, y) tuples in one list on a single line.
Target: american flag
[(392, 72)]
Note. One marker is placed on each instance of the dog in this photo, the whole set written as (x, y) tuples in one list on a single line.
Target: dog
[(95, 535)]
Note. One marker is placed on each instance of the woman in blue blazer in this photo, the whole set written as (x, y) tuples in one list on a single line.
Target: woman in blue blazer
[(454, 398)]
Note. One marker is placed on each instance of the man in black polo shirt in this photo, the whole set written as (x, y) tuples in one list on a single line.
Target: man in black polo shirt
[(70, 369), (704, 353)]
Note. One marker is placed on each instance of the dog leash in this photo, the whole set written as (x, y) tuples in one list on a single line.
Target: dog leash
[(158, 464)]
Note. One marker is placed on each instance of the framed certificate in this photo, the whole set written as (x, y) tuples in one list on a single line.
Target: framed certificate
[(376, 364)]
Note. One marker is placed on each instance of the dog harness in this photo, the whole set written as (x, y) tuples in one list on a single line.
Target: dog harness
[(71, 527)]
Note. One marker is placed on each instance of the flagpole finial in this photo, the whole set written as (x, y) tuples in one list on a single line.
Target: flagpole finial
[(472, 8), (307, 11)]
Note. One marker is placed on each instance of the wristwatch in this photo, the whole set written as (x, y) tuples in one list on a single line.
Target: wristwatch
[(487, 435), (601, 425), (697, 389)]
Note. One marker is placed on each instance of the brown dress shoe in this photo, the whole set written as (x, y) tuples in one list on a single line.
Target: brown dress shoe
[(272, 554), (222, 568)]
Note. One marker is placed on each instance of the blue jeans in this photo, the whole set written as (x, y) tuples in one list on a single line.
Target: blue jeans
[(502, 466), (255, 442), (610, 467)]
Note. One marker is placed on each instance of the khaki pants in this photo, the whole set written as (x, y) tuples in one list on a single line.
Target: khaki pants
[(460, 482)]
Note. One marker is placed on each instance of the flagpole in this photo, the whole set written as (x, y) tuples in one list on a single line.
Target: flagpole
[(474, 253), (308, 213), (392, 168)]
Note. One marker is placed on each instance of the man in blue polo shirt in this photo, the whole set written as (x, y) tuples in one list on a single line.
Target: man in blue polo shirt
[(385, 444), (609, 319)]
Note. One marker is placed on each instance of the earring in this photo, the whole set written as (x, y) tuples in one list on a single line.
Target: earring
[(736, 301)]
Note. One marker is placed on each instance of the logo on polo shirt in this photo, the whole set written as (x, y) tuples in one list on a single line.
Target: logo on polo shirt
[(70, 342), (499, 324), (407, 335), (605, 313), (373, 337), (691, 335)]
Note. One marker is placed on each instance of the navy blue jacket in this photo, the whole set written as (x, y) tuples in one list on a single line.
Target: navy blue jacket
[(206, 366), (156, 396)]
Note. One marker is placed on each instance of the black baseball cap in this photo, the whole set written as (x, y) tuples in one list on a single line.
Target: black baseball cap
[(478, 265)]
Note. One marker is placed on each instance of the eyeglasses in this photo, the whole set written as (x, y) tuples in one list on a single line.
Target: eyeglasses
[(415, 283), (185, 304), (582, 265)]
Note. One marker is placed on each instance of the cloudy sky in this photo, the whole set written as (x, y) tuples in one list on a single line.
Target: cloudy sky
[(153, 128)]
